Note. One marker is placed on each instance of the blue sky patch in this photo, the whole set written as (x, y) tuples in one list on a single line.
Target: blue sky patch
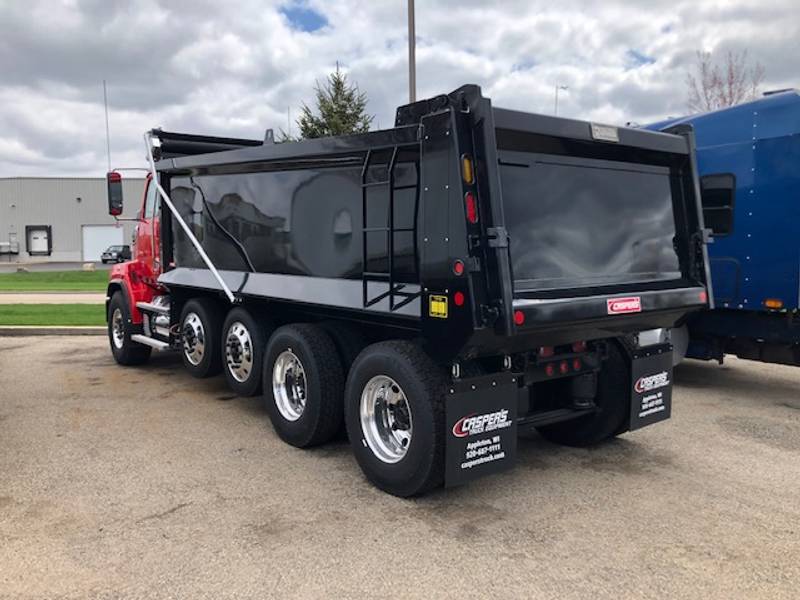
[(302, 17), (637, 59), (524, 65)]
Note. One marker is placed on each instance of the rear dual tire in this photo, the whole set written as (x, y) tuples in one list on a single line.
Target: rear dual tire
[(303, 381), (243, 343), (201, 330), (393, 405), (613, 407), (394, 412)]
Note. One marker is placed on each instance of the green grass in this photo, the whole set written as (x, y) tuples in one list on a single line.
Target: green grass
[(52, 314), (54, 281)]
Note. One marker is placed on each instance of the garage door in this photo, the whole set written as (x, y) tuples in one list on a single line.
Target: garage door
[(96, 238)]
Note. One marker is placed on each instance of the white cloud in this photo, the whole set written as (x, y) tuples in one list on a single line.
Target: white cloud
[(233, 68)]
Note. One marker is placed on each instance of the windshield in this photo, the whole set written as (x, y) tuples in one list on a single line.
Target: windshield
[(580, 222)]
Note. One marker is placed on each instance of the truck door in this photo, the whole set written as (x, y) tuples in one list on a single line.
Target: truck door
[(147, 243)]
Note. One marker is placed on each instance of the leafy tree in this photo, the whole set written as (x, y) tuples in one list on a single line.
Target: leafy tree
[(712, 85), (341, 109)]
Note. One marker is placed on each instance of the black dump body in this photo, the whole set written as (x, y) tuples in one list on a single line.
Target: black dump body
[(580, 231)]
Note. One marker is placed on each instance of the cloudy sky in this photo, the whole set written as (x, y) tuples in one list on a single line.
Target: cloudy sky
[(234, 67)]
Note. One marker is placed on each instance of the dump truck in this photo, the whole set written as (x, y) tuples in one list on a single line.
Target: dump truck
[(749, 166), (433, 290)]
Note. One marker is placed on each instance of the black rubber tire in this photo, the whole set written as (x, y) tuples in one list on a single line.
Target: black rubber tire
[(424, 384), (322, 415), (259, 328), (612, 400), (348, 339), (209, 313), (131, 352)]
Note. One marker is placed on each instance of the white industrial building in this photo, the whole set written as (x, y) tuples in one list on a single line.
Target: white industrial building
[(62, 219)]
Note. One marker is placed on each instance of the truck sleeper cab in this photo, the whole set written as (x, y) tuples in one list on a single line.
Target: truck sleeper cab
[(434, 288), (749, 166)]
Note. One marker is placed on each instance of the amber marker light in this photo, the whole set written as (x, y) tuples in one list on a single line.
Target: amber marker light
[(467, 170)]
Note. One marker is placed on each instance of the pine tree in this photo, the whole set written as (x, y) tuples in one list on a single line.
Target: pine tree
[(341, 107)]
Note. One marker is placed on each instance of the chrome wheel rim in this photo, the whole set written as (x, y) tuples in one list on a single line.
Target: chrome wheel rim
[(289, 385), (117, 329), (239, 352), (386, 419), (194, 338)]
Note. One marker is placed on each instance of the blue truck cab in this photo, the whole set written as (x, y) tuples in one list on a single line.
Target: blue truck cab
[(749, 161)]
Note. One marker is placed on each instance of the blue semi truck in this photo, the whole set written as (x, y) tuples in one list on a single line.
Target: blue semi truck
[(749, 161)]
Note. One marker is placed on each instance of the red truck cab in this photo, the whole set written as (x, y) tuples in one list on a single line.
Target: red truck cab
[(137, 278)]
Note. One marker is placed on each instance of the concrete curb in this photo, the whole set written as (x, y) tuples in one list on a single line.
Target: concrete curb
[(23, 330), (52, 292)]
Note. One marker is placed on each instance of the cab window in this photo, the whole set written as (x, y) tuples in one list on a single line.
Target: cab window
[(718, 193), (150, 204)]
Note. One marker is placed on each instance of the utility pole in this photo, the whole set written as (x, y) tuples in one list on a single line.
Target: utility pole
[(558, 87), (108, 135), (412, 54)]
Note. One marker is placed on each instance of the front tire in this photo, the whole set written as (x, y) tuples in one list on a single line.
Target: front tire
[(125, 351), (243, 340), (394, 412), (303, 383), (613, 407), (201, 330)]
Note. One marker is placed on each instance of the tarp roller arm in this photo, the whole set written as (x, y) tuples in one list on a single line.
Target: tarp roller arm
[(195, 242)]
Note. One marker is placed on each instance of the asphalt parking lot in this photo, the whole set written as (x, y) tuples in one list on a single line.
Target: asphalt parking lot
[(146, 483)]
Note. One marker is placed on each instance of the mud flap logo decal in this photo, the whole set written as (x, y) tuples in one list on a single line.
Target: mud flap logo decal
[(474, 424), (651, 382)]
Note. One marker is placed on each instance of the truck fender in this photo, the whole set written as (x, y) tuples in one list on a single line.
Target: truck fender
[(119, 285)]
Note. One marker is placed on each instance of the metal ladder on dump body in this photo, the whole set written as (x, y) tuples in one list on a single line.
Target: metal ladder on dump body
[(397, 293)]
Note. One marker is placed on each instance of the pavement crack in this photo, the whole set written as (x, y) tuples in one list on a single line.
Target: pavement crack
[(161, 515)]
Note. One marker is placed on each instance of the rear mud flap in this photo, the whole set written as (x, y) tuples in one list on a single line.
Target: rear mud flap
[(651, 386), (481, 421)]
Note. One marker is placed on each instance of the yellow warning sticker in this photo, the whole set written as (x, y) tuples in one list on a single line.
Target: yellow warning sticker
[(438, 306)]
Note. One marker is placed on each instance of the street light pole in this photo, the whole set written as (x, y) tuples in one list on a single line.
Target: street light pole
[(108, 135), (412, 58), (558, 87)]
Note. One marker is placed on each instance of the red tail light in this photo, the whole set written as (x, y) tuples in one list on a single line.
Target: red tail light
[(546, 351), (519, 317), (563, 367), (577, 364), (550, 369), (458, 267), (458, 298), (579, 347), (471, 204)]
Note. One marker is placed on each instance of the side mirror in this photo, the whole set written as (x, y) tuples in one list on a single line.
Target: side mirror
[(114, 181), (718, 193)]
